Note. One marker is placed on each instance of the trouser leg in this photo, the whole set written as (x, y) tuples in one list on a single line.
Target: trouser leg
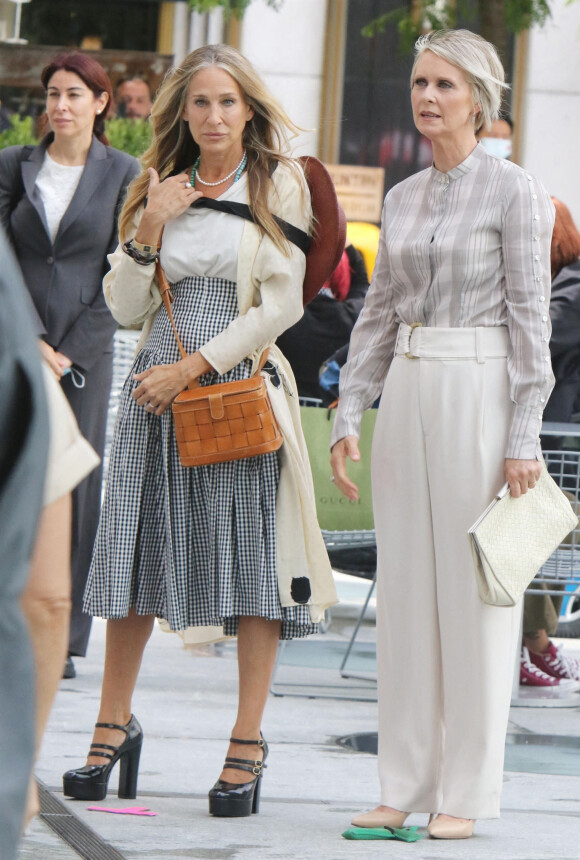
[(408, 652), (467, 412), (90, 406)]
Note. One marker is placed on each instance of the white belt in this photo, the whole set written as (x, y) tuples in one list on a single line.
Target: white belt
[(481, 342)]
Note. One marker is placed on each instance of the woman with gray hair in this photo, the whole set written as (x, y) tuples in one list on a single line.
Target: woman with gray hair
[(454, 336)]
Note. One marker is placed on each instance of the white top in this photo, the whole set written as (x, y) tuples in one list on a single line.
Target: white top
[(57, 184), (470, 247), (203, 241), (268, 281)]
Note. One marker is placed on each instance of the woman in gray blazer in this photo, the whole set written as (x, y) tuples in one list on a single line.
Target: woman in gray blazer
[(59, 203)]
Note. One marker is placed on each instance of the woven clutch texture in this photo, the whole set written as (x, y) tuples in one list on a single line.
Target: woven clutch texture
[(513, 538), (228, 421)]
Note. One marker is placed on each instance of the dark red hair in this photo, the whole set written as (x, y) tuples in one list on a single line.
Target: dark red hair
[(91, 73), (565, 239)]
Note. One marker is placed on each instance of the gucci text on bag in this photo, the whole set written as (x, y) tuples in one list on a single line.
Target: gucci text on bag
[(513, 538)]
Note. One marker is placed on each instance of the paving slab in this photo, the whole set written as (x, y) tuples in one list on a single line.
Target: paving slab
[(186, 702)]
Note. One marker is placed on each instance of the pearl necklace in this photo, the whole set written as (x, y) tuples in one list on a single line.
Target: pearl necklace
[(237, 170)]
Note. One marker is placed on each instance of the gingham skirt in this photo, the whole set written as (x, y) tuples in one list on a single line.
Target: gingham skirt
[(193, 546)]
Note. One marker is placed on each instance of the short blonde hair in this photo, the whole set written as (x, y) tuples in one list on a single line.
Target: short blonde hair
[(478, 60)]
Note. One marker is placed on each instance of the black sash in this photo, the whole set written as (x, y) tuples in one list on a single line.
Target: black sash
[(298, 237)]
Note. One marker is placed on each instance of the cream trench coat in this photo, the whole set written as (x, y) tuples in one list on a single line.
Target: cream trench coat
[(269, 287)]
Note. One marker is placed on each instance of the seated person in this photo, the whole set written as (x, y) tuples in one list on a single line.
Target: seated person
[(327, 322)]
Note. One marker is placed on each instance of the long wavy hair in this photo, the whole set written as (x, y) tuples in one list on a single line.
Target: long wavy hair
[(92, 74), (265, 138), (565, 248)]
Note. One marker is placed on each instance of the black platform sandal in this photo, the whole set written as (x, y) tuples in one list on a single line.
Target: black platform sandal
[(91, 781), (236, 800)]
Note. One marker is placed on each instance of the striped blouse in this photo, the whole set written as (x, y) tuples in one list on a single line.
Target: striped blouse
[(470, 247)]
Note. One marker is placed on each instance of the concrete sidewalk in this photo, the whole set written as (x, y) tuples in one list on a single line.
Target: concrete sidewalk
[(186, 703)]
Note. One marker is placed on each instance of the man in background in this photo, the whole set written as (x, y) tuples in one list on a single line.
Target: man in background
[(133, 98), (498, 138)]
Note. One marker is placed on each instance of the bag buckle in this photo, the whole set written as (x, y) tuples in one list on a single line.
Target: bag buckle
[(412, 326)]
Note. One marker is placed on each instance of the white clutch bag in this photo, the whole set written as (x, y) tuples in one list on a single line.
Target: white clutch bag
[(513, 538)]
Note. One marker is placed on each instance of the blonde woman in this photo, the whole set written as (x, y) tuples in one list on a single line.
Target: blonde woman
[(454, 335), (233, 544)]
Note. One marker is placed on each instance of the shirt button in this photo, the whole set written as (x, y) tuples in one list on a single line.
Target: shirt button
[(536, 238), (547, 358), (537, 257), (545, 339), (536, 217), (544, 319), (529, 178), (50, 260), (542, 399), (542, 299), (534, 196)]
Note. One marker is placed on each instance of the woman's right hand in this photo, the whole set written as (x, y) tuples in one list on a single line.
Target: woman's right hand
[(345, 447), (165, 201)]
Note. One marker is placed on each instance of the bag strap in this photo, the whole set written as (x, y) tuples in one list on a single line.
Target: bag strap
[(167, 298), (294, 234)]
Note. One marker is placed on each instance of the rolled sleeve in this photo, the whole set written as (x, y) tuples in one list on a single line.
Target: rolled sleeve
[(131, 290), (280, 280)]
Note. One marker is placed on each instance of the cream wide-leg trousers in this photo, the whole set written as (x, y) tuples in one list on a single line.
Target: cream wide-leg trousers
[(445, 659)]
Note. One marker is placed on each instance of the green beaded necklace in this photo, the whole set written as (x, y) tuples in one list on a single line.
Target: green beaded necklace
[(237, 170)]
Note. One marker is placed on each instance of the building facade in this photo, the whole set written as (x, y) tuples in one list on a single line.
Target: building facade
[(349, 93)]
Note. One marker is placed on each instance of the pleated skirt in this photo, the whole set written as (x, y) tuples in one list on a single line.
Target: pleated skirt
[(194, 546)]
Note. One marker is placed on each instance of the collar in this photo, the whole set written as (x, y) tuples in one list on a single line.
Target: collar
[(472, 160), (97, 149)]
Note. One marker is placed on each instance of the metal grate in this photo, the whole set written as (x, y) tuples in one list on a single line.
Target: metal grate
[(563, 567), (78, 835)]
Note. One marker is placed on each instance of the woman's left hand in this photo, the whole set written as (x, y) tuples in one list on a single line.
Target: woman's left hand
[(63, 360), (159, 386), (522, 475)]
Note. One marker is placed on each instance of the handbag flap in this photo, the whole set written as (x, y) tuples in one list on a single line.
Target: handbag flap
[(239, 391), (515, 537)]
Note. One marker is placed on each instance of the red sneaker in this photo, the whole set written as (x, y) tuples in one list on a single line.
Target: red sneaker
[(532, 676), (554, 663)]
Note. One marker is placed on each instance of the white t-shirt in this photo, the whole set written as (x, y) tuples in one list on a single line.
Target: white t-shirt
[(57, 184), (203, 241)]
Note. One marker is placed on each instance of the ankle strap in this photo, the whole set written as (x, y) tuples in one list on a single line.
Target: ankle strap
[(259, 743), (114, 726)]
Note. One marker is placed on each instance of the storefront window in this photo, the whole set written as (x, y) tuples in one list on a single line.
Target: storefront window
[(121, 24), (378, 128)]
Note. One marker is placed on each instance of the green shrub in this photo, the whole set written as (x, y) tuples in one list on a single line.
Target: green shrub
[(130, 135), (21, 133)]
